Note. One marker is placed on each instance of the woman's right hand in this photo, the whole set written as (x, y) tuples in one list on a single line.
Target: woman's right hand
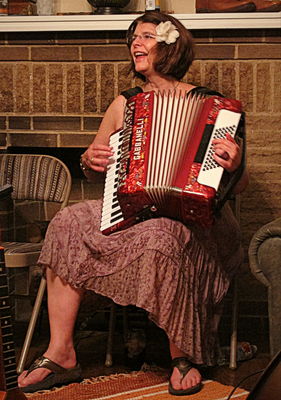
[(96, 157)]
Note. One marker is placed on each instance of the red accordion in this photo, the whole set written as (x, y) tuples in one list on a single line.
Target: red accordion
[(164, 162)]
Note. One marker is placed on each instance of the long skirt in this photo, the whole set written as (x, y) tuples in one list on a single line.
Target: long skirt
[(178, 274)]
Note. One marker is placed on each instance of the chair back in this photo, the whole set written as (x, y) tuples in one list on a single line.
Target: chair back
[(36, 177)]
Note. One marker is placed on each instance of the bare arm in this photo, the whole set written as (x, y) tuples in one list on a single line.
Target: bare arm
[(242, 183), (96, 157)]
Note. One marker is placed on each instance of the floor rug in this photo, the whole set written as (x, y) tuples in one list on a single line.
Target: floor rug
[(134, 386)]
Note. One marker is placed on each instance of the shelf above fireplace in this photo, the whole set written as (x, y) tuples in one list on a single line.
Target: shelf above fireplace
[(121, 22)]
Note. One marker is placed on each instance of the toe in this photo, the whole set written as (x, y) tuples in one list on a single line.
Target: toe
[(192, 378), (35, 376), (21, 378), (176, 379)]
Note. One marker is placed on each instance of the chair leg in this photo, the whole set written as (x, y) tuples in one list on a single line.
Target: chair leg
[(234, 322), (112, 318), (125, 323), (31, 326), (233, 339)]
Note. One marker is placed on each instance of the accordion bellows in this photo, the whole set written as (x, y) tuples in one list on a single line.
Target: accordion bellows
[(164, 162)]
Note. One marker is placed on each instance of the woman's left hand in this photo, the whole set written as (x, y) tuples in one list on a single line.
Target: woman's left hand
[(227, 153)]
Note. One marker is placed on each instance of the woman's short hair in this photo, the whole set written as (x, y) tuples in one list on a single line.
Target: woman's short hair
[(171, 59)]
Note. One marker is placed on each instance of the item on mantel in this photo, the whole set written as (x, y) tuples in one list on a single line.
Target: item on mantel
[(45, 7), (152, 5), (108, 6), (267, 5), (224, 6), (22, 7), (3, 7)]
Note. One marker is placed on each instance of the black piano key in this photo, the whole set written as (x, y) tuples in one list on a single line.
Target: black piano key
[(114, 205), (112, 220), (117, 212)]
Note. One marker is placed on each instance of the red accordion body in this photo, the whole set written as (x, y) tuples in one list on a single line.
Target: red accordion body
[(165, 141)]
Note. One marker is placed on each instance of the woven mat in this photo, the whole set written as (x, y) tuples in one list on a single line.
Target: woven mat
[(134, 386)]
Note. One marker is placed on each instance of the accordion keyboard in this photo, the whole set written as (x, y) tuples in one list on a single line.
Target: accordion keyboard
[(111, 211)]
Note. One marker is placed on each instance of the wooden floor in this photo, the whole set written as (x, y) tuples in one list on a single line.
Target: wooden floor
[(91, 349)]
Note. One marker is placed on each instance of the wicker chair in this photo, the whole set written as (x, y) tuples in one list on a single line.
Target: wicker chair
[(35, 178), (46, 179)]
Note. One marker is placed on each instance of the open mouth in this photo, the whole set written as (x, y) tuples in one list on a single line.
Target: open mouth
[(139, 55)]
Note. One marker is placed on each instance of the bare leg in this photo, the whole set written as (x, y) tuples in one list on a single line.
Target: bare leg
[(63, 306), (191, 379)]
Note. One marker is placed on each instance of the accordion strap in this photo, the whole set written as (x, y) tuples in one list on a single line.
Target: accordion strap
[(131, 92), (205, 91)]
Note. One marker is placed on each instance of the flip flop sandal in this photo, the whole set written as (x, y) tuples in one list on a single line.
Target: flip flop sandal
[(59, 375), (184, 366)]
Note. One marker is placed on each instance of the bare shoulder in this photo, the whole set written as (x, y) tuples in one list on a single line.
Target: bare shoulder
[(114, 113), (117, 104), (112, 120)]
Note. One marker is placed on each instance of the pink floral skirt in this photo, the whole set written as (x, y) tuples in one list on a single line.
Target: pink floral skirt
[(178, 275)]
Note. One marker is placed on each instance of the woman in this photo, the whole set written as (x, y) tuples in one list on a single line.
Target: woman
[(179, 275)]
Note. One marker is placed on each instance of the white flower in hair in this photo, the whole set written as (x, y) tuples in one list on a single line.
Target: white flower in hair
[(166, 32)]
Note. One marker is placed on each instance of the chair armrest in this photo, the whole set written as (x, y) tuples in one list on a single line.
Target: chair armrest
[(264, 253), (265, 264), (5, 190)]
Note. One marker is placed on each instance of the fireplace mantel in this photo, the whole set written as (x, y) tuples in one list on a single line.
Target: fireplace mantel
[(122, 21)]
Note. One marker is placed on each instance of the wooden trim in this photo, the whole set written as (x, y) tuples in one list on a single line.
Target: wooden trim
[(122, 21)]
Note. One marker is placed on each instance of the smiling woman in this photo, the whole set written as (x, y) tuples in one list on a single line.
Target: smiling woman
[(179, 273)]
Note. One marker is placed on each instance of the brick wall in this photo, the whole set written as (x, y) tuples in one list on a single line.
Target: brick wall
[(55, 87)]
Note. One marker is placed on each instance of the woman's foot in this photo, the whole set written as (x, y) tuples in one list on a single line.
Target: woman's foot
[(39, 374), (185, 379)]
